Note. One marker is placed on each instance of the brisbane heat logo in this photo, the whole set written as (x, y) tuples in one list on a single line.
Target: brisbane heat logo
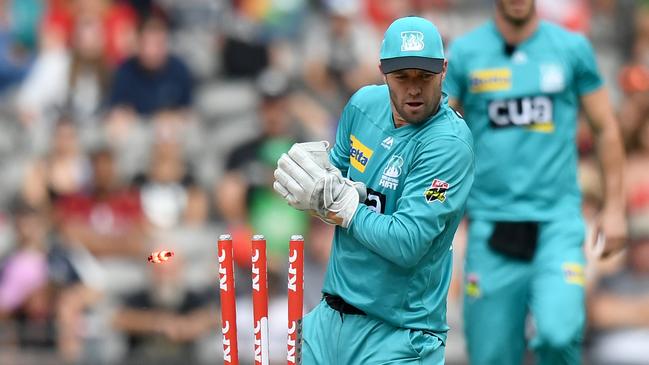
[(359, 154)]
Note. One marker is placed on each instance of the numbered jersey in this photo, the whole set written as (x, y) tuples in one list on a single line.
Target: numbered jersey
[(394, 261), (522, 108)]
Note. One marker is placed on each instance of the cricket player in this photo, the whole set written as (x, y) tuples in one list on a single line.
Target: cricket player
[(521, 82), (390, 266)]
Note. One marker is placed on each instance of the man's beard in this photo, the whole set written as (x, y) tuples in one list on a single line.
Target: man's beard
[(517, 22), (402, 113)]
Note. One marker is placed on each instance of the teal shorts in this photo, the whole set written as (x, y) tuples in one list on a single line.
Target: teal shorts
[(331, 338), (501, 294)]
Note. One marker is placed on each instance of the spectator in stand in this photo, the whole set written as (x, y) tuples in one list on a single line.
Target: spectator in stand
[(634, 79), (65, 170), (340, 53), (244, 195), (169, 193), (71, 80), (164, 320), (619, 306), (382, 12), (116, 18), (638, 176), (153, 80), (24, 292), (18, 30), (107, 220)]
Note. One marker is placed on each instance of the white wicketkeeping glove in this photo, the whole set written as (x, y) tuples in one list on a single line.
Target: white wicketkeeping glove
[(308, 181), (340, 198), (320, 155), (298, 184)]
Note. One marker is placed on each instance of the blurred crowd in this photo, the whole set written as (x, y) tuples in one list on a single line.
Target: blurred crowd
[(132, 126)]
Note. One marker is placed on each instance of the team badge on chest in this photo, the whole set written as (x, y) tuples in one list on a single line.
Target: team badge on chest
[(391, 173), (552, 78)]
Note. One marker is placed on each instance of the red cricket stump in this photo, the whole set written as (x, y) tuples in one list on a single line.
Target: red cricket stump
[(295, 299), (260, 299), (228, 301)]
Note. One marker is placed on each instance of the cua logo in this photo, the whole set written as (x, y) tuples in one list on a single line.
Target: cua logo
[(359, 154)]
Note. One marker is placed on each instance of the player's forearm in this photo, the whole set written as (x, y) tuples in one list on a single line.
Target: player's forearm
[(610, 153), (389, 237), (610, 149)]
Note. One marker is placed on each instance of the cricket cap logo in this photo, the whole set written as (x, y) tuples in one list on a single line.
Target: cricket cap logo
[(436, 191), (412, 41)]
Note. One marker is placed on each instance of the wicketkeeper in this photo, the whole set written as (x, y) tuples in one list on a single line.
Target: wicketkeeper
[(395, 184)]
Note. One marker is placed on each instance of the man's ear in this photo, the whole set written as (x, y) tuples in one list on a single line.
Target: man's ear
[(385, 79), (444, 68)]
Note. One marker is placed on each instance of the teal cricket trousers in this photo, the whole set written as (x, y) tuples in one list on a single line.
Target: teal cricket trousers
[(500, 292), (329, 338)]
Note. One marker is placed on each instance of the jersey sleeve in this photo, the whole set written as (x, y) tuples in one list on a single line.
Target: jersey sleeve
[(455, 81), (587, 76), (339, 154), (435, 192)]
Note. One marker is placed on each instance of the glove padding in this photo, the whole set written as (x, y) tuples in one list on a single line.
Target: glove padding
[(340, 199), (299, 179), (306, 179)]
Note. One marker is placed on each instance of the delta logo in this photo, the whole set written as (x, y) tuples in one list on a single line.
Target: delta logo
[(359, 154)]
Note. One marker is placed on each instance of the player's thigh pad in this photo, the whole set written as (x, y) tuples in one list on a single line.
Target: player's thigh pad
[(558, 293), (495, 301)]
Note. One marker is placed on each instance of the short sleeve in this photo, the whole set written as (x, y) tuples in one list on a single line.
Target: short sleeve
[(455, 82), (587, 76)]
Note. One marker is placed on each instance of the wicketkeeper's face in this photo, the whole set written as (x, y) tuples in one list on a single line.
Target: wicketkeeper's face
[(415, 94)]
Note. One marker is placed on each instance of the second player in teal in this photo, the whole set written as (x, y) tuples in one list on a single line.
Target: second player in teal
[(521, 82)]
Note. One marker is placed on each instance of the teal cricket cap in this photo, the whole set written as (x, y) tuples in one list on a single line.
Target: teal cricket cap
[(412, 42)]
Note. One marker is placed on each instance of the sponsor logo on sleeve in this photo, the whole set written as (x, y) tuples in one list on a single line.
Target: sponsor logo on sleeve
[(497, 79), (359, 154), (436, 191)]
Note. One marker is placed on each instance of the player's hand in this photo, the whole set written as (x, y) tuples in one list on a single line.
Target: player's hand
[(341, 199), (303, 179), (318, 151), (288, 175), (299, 179), (612, 224), (334, 199)]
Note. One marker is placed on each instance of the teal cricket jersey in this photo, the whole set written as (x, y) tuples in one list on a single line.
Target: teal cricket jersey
[(522, 109), (394, 261)]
